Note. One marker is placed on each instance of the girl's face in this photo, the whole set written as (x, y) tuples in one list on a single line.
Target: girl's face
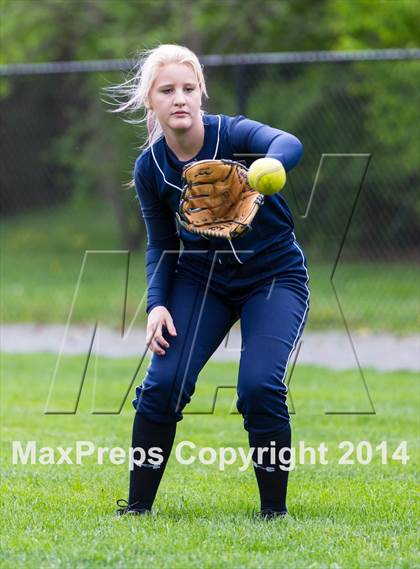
[(175, 97)]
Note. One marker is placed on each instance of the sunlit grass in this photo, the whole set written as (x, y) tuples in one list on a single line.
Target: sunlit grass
[(340, 515)]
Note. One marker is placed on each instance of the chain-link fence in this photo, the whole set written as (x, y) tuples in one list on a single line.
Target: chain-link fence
[(354, 196), (59, 139)]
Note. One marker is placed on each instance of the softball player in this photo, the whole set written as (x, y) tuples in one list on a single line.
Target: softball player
[(197, 292)]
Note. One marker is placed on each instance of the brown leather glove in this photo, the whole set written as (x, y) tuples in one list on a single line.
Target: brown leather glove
[(217, 200)]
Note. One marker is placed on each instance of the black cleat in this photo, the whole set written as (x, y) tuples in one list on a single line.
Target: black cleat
[(271, 514), (130, 509)]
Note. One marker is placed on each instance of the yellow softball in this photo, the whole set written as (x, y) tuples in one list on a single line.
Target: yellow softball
[(267, 176)]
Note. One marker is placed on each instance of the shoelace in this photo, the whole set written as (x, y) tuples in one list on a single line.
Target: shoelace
[(124, 506), (270, 514)]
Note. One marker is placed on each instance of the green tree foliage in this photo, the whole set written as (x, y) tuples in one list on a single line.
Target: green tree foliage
[(88, 153)]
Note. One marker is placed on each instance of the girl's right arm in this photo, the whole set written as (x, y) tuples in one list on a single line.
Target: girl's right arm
[(161, 258)]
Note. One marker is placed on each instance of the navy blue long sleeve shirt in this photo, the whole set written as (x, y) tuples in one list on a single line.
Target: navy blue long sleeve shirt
[(157, 176)]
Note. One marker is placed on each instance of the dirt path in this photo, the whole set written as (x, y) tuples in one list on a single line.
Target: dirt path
[(331, 349)]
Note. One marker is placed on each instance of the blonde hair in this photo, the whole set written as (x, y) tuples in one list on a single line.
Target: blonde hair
[(132, 95)]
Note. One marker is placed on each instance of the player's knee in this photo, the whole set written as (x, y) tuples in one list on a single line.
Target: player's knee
[(251, 393), (256, 385), (154, 391), (160, 394), (260, 394)]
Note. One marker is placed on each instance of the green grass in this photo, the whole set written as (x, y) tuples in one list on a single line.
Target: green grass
[(42, 254), (340, 516)]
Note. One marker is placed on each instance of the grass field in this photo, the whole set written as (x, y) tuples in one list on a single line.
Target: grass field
[(42, 254), (340, 515)]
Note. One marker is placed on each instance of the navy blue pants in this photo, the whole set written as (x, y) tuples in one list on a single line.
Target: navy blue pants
[(269, 294)]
